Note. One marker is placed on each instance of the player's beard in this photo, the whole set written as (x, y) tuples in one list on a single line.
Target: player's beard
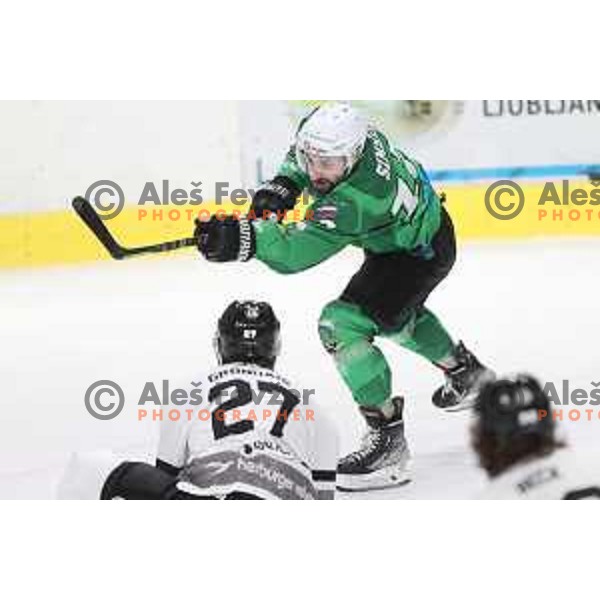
[(322, 186)]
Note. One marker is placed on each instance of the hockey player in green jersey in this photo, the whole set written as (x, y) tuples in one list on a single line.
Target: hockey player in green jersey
[(374, 197)]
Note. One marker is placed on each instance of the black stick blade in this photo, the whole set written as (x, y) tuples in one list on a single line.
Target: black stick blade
[(89, 216)]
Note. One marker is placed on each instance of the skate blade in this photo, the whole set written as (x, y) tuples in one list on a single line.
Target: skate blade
[(382, 479), (466, 405), (373, 488)]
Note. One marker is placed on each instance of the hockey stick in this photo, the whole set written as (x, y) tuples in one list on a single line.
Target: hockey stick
[(90, 217)]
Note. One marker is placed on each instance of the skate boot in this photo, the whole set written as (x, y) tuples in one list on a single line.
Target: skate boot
[(382, 459), (463, 382)]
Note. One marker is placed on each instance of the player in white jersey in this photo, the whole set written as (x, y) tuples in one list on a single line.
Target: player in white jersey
[(256, 437), (515, 439)]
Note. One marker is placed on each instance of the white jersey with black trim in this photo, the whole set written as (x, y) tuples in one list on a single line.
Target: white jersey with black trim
[(562, 475), (254, 432)]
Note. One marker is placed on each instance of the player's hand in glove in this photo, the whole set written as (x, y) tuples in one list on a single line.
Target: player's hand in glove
[(225, 239), (275, 197)]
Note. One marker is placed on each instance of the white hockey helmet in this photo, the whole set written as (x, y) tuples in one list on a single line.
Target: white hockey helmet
[(336, 129)]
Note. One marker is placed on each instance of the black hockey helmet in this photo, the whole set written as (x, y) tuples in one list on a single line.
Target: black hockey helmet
[(248, 332), (514, 406), (513, 421)]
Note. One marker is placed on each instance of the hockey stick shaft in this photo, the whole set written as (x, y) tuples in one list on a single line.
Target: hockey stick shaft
[(90, 217)]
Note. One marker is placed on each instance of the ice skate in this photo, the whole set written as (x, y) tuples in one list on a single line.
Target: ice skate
[(382, 459), (463, 382)]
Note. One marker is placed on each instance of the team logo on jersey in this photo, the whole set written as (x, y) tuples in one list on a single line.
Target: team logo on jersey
[(326, 215)]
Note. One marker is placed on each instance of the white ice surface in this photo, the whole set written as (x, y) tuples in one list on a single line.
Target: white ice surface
[(530, 305)]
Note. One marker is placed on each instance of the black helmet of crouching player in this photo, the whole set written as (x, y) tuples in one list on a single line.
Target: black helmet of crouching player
[(513, 423), (248, 332)]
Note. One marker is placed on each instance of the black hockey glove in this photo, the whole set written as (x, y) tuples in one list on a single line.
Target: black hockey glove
[(225, 239), (276, 197)]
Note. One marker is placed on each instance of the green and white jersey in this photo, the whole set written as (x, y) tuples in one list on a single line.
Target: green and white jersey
[(386, 204)]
